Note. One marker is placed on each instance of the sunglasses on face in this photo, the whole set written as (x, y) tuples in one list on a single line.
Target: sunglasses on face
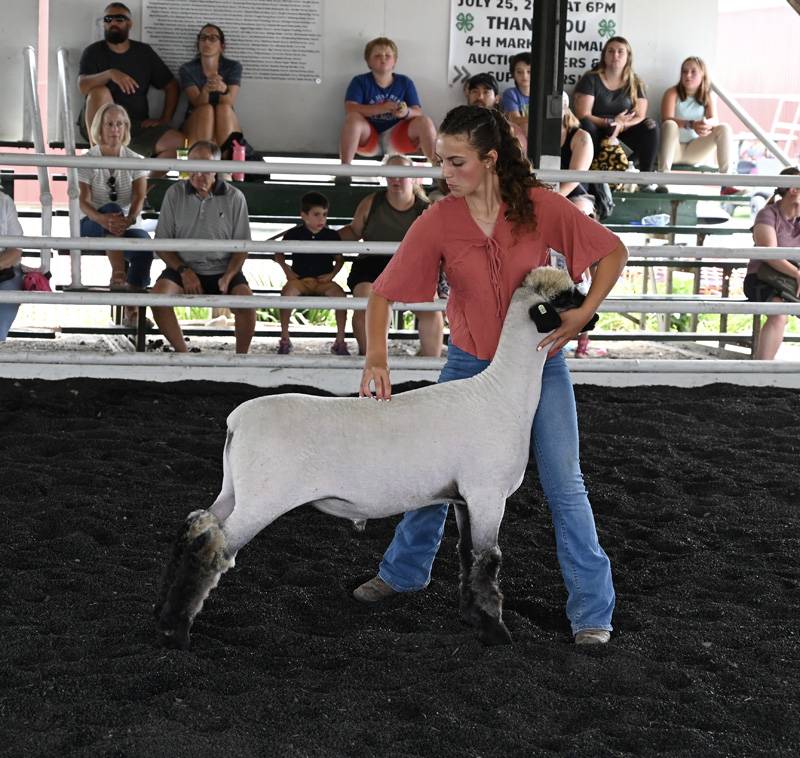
[(112, 188), (209, 38), (120, 17)]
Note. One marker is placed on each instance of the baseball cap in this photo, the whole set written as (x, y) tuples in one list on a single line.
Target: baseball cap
[(485, 80)]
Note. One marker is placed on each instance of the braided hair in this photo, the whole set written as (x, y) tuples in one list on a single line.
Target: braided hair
[(487, 129)]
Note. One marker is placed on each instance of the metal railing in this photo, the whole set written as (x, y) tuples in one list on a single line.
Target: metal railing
[(612, 304), (748, 121), (34, 117), (68, 132)]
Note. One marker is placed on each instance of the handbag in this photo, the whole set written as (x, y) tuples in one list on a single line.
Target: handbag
[(7, 273), (783, 284), (610, 157)]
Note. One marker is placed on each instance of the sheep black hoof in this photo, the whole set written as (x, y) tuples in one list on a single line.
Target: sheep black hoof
[(493, 632), (470, 615), (175, 639)]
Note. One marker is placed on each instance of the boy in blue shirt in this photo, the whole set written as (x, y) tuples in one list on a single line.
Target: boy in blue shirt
[(312, 273), (515, 99), (383, 109)]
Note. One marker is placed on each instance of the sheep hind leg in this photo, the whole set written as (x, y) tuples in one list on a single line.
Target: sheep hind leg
[(488, 598), (198, 560), (466, 597)]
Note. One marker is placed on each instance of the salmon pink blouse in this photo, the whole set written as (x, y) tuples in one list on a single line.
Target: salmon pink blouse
[(482, 271)]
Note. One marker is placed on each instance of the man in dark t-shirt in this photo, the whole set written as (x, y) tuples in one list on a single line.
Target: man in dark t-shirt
[(122, 70)]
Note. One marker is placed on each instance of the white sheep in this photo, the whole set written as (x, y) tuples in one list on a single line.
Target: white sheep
[(464, 442)]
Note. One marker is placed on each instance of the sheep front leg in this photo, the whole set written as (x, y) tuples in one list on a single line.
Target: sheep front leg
[(485, 521), (466, 598), (198, 560)]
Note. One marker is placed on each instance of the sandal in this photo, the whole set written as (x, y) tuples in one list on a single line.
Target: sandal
[(119, 282)]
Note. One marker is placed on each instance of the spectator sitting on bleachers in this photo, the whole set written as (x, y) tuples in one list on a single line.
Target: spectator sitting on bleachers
[(690, 129), (312, 273), (211, 83), (576, 155), (612, 95), (776, 225), (111, 200), (203, 207), (383, 107), (386, 216), (482, 89), (121, 70), (10, 257), (516, 99)]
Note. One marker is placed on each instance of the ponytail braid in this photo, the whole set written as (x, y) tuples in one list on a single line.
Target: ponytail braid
[(488, 129)]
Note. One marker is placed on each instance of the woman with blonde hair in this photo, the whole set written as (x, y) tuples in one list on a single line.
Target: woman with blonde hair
[(386, 216), (111, 200), (690, 129), (611, 97)]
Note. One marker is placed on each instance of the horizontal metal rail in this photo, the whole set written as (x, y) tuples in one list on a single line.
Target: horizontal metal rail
[(355, 363), (658, 304), (256, 167), (362, 248)]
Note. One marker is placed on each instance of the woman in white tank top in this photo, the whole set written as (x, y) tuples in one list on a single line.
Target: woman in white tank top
[(690, 130)]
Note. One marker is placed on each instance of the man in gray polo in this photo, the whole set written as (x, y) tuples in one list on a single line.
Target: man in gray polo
[(203, 207)]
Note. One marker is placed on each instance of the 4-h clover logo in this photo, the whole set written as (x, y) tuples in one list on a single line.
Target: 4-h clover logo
[(464, 22), (607, 28)]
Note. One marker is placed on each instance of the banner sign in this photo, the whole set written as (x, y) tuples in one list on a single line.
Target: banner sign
[(275, 40), (484, 34)]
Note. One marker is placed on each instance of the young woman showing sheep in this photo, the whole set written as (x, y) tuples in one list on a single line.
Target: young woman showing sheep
[(496, 224)]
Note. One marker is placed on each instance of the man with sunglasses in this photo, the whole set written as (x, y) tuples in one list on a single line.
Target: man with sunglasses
[(203, 207), (122, 70)]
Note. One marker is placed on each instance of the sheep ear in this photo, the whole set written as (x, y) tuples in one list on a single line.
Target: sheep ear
[(545, 316)]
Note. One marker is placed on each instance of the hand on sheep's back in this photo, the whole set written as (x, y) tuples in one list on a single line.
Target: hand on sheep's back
[(376, 376)]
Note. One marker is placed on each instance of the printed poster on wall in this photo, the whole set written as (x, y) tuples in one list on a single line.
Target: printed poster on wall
[(484, 34), (276, 40)]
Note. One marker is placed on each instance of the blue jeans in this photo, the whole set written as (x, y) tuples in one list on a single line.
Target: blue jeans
[(139, 260), (585, 567), (8, 311)]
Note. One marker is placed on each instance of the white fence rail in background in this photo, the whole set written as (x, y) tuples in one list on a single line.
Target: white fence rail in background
[(34, 117), (255, 167)]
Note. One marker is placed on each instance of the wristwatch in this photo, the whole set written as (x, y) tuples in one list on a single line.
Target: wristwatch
[(183, 267)]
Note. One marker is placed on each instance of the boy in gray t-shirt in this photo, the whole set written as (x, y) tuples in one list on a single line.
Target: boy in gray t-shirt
[(203, 207)]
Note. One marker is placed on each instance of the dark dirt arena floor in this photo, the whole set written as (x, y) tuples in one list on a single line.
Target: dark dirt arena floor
[(696, 493)]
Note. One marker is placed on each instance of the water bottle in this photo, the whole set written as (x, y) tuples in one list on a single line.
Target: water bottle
[(182, 154), (238, 155)]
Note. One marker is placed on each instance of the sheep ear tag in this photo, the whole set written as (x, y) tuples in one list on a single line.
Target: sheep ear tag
[(545, 317)]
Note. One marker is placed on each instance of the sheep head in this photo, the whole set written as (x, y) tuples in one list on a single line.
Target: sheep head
[(555, 286)]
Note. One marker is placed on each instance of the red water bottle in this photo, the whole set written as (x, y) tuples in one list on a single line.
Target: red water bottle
[(238, 155)]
